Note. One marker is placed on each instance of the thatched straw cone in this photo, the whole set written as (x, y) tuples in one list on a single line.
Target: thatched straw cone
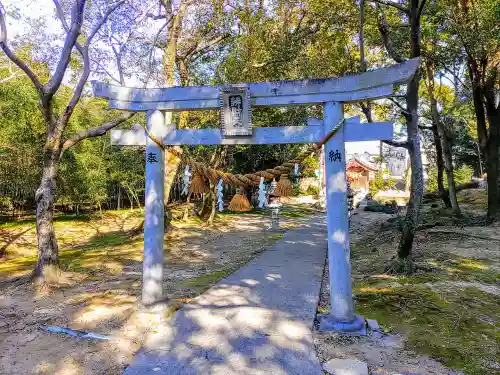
[(284, 187), (239, 203), (198, 185)]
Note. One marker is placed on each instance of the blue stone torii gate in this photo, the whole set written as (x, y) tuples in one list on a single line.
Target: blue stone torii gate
[(331, 93)]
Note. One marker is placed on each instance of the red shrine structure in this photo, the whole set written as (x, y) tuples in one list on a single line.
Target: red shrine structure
[(360, 173)]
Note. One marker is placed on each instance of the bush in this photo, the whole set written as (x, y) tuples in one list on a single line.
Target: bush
[(309, 166), (296, 189), (380, 183), (462, 175), (312, 190)]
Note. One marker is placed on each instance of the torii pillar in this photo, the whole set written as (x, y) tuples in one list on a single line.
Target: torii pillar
[(341, 317), (152, 269)]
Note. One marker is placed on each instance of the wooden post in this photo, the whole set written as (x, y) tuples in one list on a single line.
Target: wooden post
[(152, 277), (341, 317)]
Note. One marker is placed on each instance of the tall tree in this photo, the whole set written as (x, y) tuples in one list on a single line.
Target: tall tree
[(409, 13), (56, 123), (443, 141), (190, 30), (477, 26)]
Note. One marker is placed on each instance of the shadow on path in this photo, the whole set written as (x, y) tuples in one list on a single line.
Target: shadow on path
[(256, 321)]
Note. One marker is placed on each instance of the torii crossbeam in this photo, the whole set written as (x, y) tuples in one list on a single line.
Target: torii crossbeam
[(332, 93)]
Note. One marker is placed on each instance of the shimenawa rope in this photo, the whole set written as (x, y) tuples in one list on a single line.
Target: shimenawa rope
[(247, 179)]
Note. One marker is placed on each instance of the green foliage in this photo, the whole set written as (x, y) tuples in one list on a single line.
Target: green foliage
[(296, 189), (461, 175), (309, 166), (21, 142), (89, 173), (432, 180), (312, 190), (380, 183), (406, 176)]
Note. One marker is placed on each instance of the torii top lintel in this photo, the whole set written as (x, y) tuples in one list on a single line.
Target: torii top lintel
[(374, 84)]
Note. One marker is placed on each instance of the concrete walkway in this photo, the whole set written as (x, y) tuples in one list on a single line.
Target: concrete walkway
[(256, 321)]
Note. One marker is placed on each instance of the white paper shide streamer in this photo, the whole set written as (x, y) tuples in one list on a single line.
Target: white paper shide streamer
[(262, 193), (296, 169), (186, 181), (220, 194)]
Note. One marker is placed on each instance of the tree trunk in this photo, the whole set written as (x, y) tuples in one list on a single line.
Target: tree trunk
[(209, 205), (417, 181), (493, 163), (417, 185), (187, 208), (210, 200), (488, 137), (443, 142), (477, 98), (172, 163), (137, 200), (448, 164), (119, 198), (48, 250), (169, 55), (443, 193)]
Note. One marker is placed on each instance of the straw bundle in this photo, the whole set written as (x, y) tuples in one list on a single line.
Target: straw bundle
[(284, 187), (198, 185), (239, 203)]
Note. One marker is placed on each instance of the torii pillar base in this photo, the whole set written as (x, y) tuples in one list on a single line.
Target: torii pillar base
[(356, 327)]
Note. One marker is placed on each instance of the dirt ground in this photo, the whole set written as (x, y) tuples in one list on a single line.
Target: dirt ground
[(101, 283), (441, 319), (444, 318)]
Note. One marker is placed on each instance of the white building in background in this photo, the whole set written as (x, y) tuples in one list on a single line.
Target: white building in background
[(396, 160), (366, 151)]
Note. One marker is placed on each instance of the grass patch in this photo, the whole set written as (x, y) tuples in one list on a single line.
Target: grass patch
[(254, 211), (275, 236), (204, 282), (322, 309), (458, 326), (294, 214), (449, 326), (476, 198), (11, 224)]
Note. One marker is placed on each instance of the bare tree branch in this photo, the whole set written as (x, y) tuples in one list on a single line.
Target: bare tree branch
[(396, 143), (421, 8), (395, 5), (153, 45), (204, 46), (101, 22), (155, 16), (97, 131), (118, 54), (86, 65), (384, 33), (103, 68), (60, 15), (64, 23), (12, 56), (403, 109), (71, 37), (456, 77)]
